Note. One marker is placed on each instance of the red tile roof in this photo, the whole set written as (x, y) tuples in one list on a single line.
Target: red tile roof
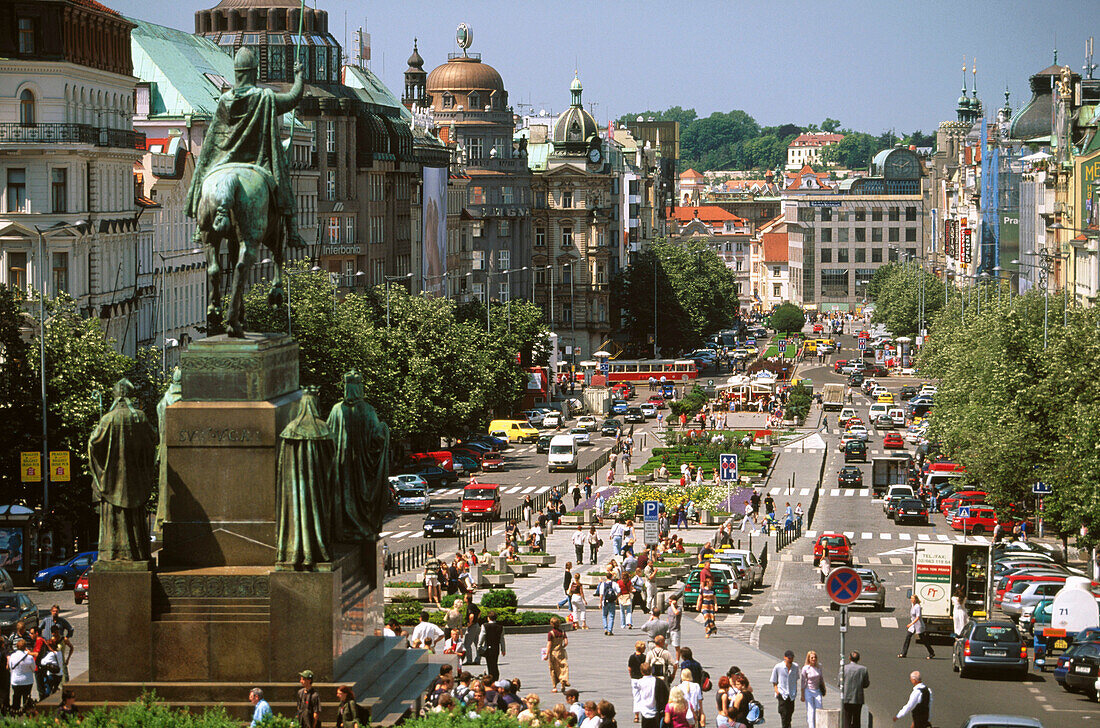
[(96, 6), (690, 174), (815, 140), (706, 213), (775, 247)]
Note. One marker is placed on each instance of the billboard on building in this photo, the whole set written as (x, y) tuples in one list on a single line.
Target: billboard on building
[(434, 251)]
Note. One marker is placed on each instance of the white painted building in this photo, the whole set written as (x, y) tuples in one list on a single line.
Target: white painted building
[(67, 151)]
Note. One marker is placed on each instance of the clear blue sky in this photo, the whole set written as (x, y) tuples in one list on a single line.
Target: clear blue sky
[(873, 65)]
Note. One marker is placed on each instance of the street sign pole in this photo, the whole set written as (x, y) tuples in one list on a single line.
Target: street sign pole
[(843, 631)]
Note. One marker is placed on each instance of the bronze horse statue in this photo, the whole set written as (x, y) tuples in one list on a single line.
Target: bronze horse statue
[(236, 206)]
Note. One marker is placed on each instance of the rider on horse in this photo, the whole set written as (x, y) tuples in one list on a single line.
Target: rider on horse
[(246, 130)]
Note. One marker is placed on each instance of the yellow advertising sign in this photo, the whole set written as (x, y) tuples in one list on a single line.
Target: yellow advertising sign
[(30, 467), (59, 466)]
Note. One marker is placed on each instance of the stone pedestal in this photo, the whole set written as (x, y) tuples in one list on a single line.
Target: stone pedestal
[(215, 616)]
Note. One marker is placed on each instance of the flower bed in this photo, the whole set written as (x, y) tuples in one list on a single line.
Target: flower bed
[(502, 601)]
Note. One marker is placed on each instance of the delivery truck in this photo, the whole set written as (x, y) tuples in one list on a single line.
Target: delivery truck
[(833, 397), (939, 569), (887, 471)]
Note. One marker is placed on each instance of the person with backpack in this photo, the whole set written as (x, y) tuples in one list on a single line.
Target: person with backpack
[(608, 593), (661, 660), (745, 711)]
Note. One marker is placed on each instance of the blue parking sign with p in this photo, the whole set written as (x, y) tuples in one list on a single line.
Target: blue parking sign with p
[(727, 466), (651, 510)]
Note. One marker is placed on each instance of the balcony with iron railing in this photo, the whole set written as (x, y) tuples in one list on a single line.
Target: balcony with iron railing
[(15, 133)]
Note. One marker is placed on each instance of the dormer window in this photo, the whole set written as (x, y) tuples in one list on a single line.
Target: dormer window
[(475, 101), (448, 101), (26, 36)]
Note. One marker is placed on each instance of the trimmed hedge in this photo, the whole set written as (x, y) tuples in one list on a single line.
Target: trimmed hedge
[(497, 598), (146, 712)]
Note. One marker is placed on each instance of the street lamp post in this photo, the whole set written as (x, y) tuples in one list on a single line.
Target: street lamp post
[(79, 226)]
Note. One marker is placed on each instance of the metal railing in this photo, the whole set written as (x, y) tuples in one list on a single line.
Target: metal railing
[(785, 537), (70, 134), (477, 532), (407, 560)]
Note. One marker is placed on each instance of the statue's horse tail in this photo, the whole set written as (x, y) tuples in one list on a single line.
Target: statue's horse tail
[(226, 189)]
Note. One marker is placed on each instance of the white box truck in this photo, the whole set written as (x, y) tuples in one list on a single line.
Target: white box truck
[(939, 569), (832, 398)]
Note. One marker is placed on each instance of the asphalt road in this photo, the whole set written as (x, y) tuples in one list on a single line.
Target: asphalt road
[(525, 473), (796, 614)]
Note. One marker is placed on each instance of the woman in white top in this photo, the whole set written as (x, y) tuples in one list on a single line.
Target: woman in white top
[(958, 611), (915, 627), (578, 603), (21, 665), (693, 694), (812, 687)]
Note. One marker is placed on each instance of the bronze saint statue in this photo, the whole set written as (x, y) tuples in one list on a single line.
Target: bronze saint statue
[(362, 463), (121, 453), (240, 191), (171, 396), (305, 490)]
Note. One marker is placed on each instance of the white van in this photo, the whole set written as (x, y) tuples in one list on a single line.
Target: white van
[(562, 454), (897, 414), (877, 409)]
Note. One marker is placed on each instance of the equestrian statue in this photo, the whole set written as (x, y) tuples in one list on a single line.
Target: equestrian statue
[(240, 193)]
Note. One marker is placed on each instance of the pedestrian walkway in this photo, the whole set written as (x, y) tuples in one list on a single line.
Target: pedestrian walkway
[(800, 620), (597, 666), (903, 537)]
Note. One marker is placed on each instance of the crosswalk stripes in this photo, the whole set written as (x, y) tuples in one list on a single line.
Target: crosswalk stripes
[(826, 621), (795, 620), (922, 537), (856, 620), (888, 622)]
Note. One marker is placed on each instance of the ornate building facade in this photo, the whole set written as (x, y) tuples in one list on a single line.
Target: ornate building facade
[(68, 217)]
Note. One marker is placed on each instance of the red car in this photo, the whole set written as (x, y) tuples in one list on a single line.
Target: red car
[(962, 498), (840, 363), (818, 328), (834, 545), (893, 440), (982, 519), (657, 401), (492, 461), (80, 590)]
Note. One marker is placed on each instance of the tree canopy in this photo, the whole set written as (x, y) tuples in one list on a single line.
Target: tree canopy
[(787, 317), (82, 367), (734, 140), (696, 296), (895, 288), (433, 372)]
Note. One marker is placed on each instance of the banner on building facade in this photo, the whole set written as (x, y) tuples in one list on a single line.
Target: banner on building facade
[(434, 230)]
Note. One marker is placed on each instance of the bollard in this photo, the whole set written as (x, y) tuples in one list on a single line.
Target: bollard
[(828, 718)]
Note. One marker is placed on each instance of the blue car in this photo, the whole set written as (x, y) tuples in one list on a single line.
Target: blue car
[(64, 576), (619, 406)]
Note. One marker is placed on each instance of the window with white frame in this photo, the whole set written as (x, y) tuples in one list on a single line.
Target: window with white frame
[(567, 236), (567, 198), (349, 229), (504, 228), (504, 259), (502, 291), (330, 136), (334, 230), (330, 188), (540, 236), (479, 260)]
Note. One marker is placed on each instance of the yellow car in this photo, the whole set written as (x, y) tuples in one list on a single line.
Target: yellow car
[(887, 398)]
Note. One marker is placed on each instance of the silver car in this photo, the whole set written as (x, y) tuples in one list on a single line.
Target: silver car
[(1030, 594), (746, 560), (874, 590)]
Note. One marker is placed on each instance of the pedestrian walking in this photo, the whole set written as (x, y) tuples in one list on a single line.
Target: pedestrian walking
[(566, 583), (594, 543), (309, 702), (634, 672), (811, 687), (626, 600), (588, 487), (491, 644), (675, 614), (742, 702), (799, 513), (722, 701), (580, 538), (608, 592), (556, 642), (578, 603), (21, 667), (693, 694), (655, 627), (618, 532), (706, 604), (677, 713), (347, 712), (528, 510), (261, 709), (661, 660), (576, 493), (854, 679), (651, 697), (916, 627), (784, 680), (919, 704)]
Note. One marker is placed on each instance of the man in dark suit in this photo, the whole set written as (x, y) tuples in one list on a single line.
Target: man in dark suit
[(855, 680), (491, 644)]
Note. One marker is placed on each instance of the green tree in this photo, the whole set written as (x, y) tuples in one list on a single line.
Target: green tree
[(82, 366), (895, 288), (434, 371), (830, 125), (696, 296), (787, 317)]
